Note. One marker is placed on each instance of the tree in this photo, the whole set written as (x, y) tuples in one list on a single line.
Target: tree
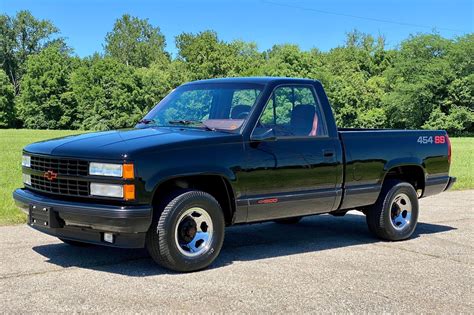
[(427, 82), (432, 84), (206, 56), (7, 94), (107, 93), (20, 37), (135, 42), (352, 75), (45, 101), (159, 79), (288, 61)]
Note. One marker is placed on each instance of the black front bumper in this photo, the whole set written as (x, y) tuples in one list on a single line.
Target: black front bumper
[(86, 222)]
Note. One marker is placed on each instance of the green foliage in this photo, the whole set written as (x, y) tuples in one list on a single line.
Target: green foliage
[(159, 79), (7, 94), (428, 82), (20, 37), (107, 93), (46, 101), (205, 56), (135, 42), (288, 61), (354, 81)]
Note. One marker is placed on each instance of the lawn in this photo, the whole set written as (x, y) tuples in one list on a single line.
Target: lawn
[(12, 142), (462, 162)]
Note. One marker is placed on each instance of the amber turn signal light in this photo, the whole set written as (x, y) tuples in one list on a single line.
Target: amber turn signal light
[(129, 192), (128, 172)]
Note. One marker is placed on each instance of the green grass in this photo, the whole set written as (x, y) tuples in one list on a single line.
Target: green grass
[(462, 162), (12, 141)]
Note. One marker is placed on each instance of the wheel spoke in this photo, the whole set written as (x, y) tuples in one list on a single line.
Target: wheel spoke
[(199, 221), (408, 217), (401, 211), (198, 225), (401, 203), (193, 246), (398, 221)]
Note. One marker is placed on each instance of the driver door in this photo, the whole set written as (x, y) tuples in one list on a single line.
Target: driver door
[(290, 170)]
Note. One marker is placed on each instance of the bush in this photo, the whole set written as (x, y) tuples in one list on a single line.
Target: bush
[(7, 95)]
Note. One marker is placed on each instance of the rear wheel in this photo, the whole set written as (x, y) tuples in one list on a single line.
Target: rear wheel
[(395, 214), (187, 234)]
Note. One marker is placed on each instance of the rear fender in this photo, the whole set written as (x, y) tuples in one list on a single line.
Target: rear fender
[(407, 161)]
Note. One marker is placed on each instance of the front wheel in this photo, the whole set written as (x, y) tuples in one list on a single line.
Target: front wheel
[(187, 234), (395, 214)]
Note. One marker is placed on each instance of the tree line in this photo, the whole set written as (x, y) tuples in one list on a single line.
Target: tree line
[(426, 82)]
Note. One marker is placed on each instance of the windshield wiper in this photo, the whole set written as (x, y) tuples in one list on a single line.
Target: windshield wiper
[(190, 122), (146, 121), (184, 122)]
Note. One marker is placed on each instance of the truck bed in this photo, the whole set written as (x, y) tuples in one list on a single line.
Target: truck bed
[(372, 154)]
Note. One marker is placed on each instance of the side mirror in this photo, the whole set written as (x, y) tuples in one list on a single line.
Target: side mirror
[(265, 135)]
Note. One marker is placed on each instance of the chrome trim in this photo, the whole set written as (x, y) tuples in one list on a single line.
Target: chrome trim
[(202, 230), (400, 211)]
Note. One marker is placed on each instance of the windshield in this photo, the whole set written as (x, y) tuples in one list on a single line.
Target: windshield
[(218, 106)]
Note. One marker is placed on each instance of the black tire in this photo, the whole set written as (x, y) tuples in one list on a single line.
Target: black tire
[(74, 243), (293, 220), (379, 216), (162, 237)]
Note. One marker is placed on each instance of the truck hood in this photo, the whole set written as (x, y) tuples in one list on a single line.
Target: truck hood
[(124, 144)]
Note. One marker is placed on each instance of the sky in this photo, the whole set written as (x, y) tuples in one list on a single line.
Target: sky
[(310, 24)]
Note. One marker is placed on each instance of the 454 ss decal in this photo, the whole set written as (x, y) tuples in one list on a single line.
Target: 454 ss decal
[(431, 140)]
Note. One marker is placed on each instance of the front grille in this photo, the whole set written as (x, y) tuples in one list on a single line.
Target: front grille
[(60, 166), (60, 186)]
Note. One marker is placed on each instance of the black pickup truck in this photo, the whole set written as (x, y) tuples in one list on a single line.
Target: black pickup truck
[(220, 152)]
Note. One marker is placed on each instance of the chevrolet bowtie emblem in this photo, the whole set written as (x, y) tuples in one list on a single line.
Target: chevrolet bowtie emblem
[(50, 175)]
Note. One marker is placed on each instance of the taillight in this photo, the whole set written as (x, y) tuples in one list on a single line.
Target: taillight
[(449, 149)]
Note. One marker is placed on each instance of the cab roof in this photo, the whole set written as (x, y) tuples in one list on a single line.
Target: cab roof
[(254, 80)]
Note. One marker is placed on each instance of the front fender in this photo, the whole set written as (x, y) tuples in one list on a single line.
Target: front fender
[(168, 174)]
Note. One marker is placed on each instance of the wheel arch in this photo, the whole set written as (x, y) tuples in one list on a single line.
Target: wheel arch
[(217, 185), (412, 172)]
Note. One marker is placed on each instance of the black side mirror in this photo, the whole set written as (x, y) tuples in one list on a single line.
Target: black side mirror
[(265, 135)]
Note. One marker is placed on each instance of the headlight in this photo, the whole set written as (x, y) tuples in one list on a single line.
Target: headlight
[(105, 169), (26, 161), (125, 171), (27, 179), (126, 192), (107, 190)]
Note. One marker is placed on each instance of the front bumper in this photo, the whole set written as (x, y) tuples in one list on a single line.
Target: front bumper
[(85, 222)]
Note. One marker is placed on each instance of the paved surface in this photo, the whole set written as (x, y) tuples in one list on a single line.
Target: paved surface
[(323, 264)]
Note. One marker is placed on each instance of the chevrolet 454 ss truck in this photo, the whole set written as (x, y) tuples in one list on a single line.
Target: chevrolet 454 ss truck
[(220, 152)]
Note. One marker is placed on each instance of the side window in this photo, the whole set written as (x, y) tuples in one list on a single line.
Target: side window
[(292, 111)]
